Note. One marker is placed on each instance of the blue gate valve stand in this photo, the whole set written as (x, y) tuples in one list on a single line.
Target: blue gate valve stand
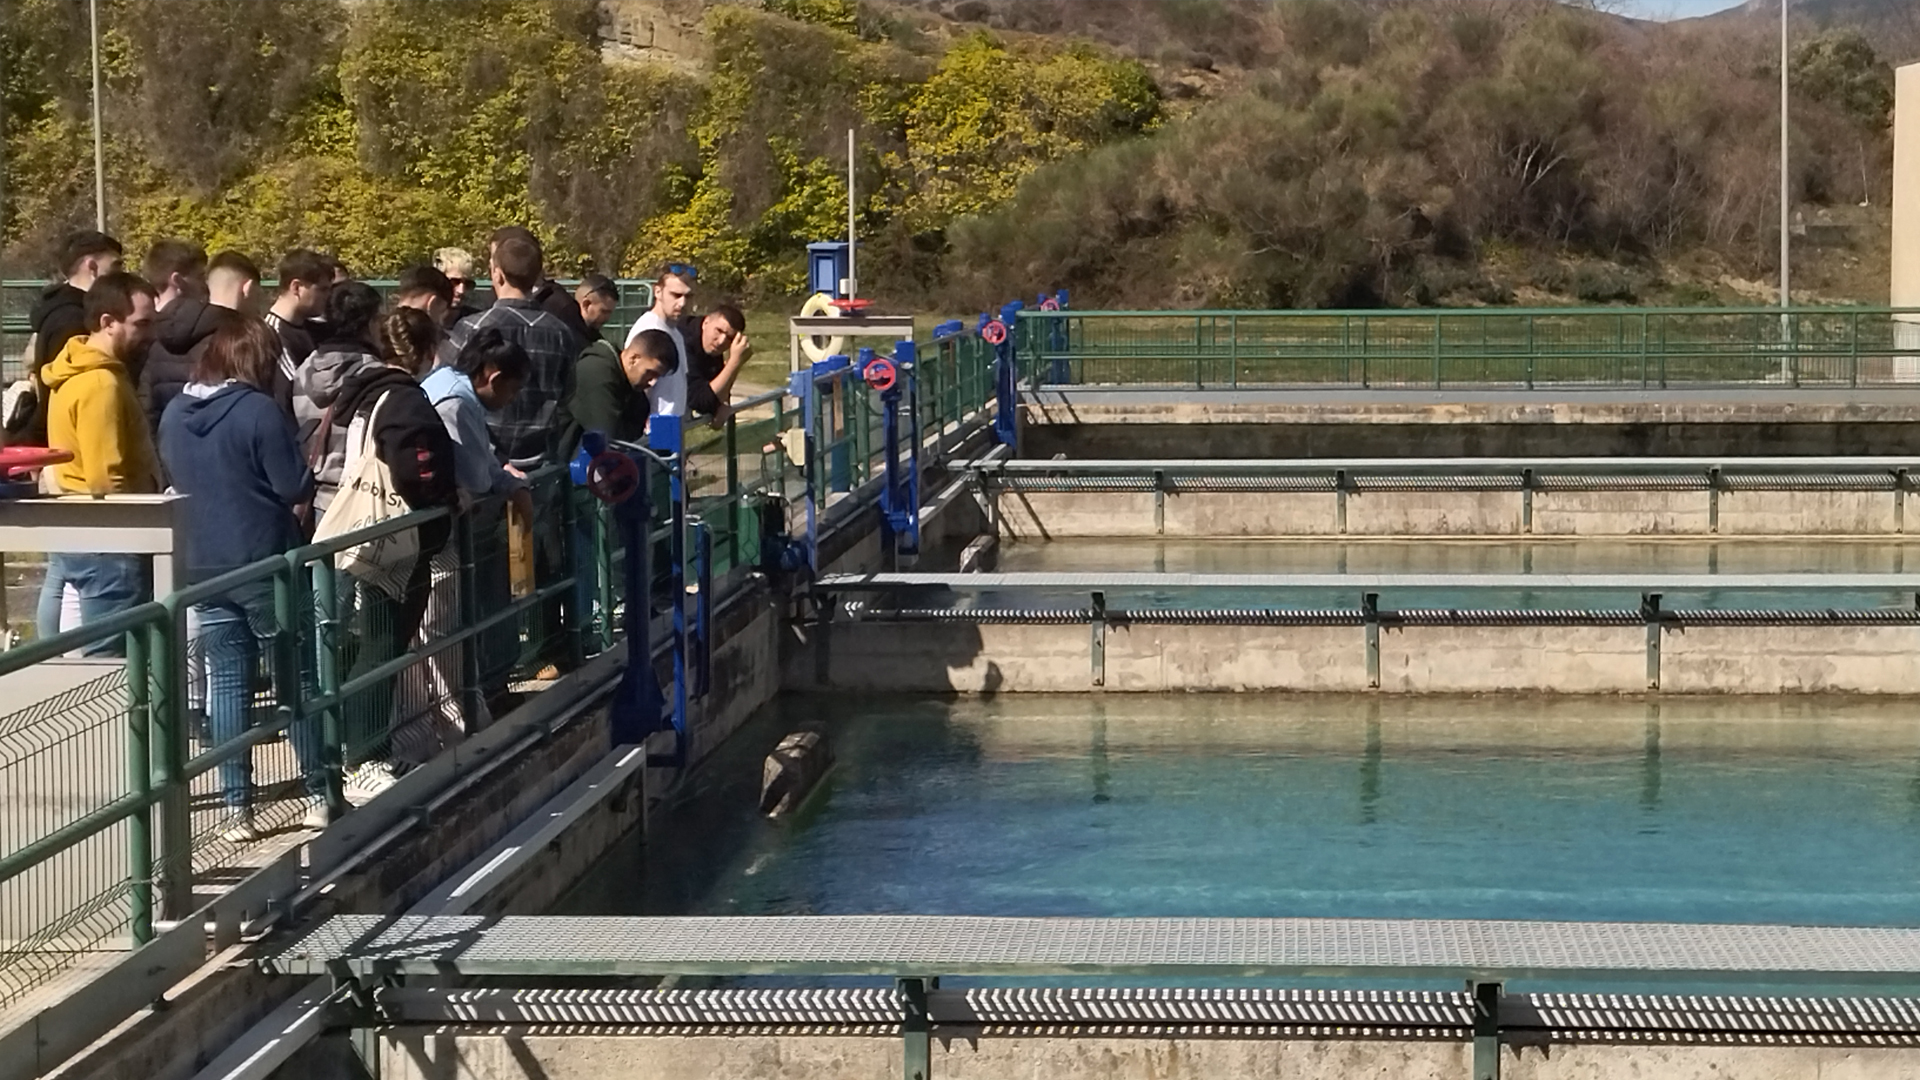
[(634, 712)]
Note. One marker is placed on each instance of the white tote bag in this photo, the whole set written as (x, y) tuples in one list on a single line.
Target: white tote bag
[(366, 498)]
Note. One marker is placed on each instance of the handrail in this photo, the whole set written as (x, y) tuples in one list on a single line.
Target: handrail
[(1465, 313)]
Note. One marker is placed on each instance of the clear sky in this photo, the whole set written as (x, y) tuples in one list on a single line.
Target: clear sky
[(1677, 9)]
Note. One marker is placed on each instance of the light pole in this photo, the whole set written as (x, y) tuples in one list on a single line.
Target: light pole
[(1786, 224), (99, 159)]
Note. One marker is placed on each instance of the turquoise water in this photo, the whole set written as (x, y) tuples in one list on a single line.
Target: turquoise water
[(1713, 811)]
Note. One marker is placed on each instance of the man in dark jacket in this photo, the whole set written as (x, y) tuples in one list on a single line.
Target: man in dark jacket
[(306, 279), (57, 318), (187, 325)]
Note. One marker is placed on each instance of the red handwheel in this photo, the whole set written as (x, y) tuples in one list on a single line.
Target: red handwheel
[(994, 332), (881, 374), (1051, 303), (612, 477)]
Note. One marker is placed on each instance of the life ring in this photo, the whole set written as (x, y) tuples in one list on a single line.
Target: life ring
[(1051, 303), (817, 349), (994, 332), (612, 477)]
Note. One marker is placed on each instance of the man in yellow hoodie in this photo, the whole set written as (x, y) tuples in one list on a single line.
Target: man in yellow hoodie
[(92, 410)]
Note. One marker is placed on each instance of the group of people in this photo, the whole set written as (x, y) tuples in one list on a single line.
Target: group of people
[(169, 380)]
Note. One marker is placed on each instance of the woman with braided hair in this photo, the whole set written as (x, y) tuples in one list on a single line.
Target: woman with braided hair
[(406, 434)]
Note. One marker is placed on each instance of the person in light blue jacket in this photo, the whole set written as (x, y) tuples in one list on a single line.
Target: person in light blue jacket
[(485, 376)]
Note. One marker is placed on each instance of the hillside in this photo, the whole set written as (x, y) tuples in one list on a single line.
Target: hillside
[(1309, 153)]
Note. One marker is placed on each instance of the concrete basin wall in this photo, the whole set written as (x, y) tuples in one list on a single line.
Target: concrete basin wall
[(1053, 515), (426, 1054), (970, 658)]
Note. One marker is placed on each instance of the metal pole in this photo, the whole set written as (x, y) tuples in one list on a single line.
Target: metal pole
[(1785, 206), (99, 158), (853, 241)]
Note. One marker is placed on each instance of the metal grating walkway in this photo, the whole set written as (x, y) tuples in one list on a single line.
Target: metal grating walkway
[(939, 945)]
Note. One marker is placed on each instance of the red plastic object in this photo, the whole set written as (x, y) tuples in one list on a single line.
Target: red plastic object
[(1051, 303), (851, 304), (881, 374), (994, 332), (612, 477), (18, 459)]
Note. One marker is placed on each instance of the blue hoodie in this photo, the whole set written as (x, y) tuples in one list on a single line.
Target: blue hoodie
[(232, 450)]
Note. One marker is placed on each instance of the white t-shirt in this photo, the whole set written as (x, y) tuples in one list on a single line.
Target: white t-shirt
[(669, 394)]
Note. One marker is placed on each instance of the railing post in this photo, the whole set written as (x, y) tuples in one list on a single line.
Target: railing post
[(1233, 351), (167, 663), (576, 632), (467, 582), (1370, 612), (1643, 350), (1436, 351), (916, 1029), (326, 655), (1853, 349), (139, 783), (1486, 1028), (733, 491)]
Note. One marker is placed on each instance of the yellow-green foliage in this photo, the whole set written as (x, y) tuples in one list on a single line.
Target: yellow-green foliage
[(989, 116), (382, 129)]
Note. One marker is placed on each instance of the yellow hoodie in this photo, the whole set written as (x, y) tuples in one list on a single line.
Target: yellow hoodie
[(92, 411)]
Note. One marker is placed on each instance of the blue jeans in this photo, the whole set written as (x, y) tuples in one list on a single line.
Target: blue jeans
[(107, 584), (231, 637)]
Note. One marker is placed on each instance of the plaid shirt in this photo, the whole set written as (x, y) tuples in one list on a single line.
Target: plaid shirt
[(527, 432)]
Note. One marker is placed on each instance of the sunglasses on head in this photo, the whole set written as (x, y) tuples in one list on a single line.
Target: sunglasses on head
[(683, 271)]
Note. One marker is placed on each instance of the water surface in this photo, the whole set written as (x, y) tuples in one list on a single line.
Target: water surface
[(1771, 811)]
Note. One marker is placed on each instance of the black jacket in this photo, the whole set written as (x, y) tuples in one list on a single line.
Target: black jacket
[(410, 437), (59, 316), (559, 303), (180, 338)]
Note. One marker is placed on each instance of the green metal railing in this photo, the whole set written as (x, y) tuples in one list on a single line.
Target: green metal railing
[(1636, 348), (111, 793)]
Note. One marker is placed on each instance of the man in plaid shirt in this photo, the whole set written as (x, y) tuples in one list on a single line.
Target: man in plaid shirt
[(527, 432)]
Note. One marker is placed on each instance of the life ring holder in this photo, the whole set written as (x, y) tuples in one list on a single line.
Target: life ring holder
[(820, 305)]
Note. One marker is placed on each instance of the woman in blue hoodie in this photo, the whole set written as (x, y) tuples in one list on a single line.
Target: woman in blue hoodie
[(228, 445)]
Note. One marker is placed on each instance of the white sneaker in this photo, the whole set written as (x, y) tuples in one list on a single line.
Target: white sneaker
[(370, 780), (236, 826), (316, 816)]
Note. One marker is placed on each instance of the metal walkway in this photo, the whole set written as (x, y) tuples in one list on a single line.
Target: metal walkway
[(929, 946)]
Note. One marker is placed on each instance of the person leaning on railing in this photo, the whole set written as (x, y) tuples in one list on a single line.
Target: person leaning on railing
[(227, 445), (409, 437)]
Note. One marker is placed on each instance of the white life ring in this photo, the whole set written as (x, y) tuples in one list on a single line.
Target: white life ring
[(818, 349)]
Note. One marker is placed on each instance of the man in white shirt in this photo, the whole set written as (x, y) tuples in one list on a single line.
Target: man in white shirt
[(670, 291)]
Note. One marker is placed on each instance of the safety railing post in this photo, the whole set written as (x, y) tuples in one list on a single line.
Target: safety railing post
[(733, 491), (1643, 350), (1436, 352), (578, 622), (140, 784), (467, 582), (327, 647), (167, 664)]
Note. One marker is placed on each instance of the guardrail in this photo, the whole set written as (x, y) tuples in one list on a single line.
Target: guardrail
[(371, 953), (1562, 348), (112, 789)]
